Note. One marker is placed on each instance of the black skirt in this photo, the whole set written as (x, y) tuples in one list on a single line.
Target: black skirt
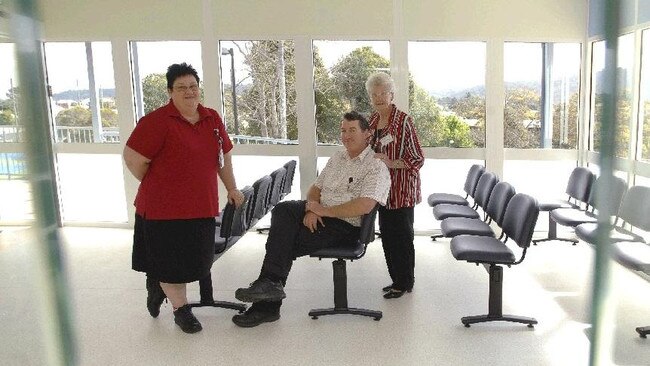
[(174, 251)]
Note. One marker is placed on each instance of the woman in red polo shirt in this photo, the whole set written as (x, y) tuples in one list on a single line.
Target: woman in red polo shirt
[(176, 152), (396, 144)]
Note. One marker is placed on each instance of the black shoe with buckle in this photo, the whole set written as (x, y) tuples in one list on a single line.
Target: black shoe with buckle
[(186, 320), (155, 297), (253, 317), (262, 289)]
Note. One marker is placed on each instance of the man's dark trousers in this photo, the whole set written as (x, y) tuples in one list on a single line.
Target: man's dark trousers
[(289, 239)]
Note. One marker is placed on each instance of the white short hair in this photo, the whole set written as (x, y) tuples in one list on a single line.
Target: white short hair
[(380, 79)]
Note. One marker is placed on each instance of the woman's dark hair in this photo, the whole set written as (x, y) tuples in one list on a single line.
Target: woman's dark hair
[(356, 116), (174, 71)]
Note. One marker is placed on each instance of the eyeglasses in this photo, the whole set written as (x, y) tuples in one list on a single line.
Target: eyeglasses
[(383, 94), (184, 88)]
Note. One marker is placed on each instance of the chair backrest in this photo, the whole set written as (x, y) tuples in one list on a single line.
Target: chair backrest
[(612, 194), (277, 177), (579, 185), (235, 219), (499, 199), (261, 189), (290, 166), (635, 209), (367, 229), (484, 188), (473, 175), (520, 219)]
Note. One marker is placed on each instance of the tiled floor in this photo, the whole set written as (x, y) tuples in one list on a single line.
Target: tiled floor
[(112, 326)]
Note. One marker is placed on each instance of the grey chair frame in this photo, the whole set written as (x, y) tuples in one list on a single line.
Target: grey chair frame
[(495, 212), (578, 191), (518, 224), (471, 181), (340, 255), (572, 217), (233, 227), (634, 211), (634, 256)]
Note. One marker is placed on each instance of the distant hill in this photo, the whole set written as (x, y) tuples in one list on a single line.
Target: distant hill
[(82, 94), (445, 96)]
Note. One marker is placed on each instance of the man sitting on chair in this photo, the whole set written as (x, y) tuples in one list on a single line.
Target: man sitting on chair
[(350, 185)]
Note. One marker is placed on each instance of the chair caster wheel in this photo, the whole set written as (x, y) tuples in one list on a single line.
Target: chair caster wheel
[(377, 319), (531, 326), (643, 336), (314, 317), (466, 325)]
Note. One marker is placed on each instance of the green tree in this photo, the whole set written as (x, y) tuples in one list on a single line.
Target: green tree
[(267, 106), (472, 107), (645, 153), (76, 116), (109, 117), (522, 104), (565, 117), (154, 92), (426, 116), (329, 106), (350, 75), (7, 117), (623, 115), (455, 132)]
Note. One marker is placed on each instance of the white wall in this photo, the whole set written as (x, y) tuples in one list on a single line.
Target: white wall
[(183, 19)]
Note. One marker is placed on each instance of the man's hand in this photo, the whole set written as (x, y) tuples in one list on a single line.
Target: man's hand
[(317, 208), (311, 221), (235, 196)]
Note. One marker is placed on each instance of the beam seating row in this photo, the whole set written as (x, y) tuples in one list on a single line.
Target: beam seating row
[(474, 240)]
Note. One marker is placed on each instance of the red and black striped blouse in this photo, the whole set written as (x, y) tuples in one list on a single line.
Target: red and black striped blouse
[(405, 183)]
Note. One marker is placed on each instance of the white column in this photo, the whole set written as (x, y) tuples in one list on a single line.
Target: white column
[(306, 112), (126, 117), (494, 105)]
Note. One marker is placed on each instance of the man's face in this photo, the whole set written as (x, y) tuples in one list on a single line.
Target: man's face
[(353, 137)]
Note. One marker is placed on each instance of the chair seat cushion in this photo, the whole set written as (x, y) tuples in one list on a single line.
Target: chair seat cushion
[(552, 205), (572, 217), (440, 198), (481, 249), (355, 251), (443, 211), (634, 255), (455, 226), (587, 232)]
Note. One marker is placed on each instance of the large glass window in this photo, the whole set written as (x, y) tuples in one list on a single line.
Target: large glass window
[(644, 108), (624, 75), (92, 187), (82, 92), (542, 95), (15, 191), (447, 92), (341, 69), (523, 90), (259, 91), (150, 62)]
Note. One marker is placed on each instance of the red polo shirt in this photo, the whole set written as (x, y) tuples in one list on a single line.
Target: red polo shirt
[(181, 182)]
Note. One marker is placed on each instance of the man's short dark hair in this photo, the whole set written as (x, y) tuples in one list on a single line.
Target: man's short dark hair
[(356, 116), (174, 71)]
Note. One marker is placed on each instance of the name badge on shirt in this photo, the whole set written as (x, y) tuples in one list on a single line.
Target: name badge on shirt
[(386, 140), (218, 136)]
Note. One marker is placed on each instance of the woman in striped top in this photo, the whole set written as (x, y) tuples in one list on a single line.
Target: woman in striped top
[(396, 143)]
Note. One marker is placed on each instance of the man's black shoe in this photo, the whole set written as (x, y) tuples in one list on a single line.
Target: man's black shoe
[(186, 320), (253, 318), (261, 289), (155, 297)]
